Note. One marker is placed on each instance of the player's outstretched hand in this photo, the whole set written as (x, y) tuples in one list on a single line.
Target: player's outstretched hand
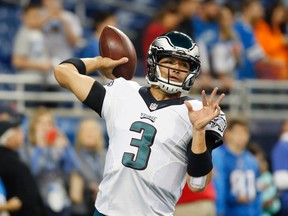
[(211, 109), (107, 65)]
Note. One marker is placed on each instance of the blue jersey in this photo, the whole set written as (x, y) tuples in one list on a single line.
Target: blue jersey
[(91, 49), (236, 175), (252, 52), (208, 32)]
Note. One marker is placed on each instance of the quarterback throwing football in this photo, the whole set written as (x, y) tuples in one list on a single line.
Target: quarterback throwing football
[(158, 139)]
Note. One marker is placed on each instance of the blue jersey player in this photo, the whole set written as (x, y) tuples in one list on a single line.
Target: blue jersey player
[(235, 174)]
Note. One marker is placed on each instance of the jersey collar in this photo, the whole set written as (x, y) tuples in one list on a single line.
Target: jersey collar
[(153, 104)]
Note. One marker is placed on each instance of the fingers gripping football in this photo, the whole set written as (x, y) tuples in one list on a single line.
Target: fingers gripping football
[(115, 44)]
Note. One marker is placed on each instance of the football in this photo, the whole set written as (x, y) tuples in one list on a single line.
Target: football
[(115, 44)]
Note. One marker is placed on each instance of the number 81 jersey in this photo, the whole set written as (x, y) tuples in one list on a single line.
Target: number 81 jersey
[(146, 160)]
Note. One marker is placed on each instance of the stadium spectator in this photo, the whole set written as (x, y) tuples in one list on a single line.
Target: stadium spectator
[(6, 111), (200, 204), (62, 29), (269, 195), (91, 48), (23, 198), (90, 148), (165, 20), (187, 9), (279, 160), (30, 54), (206, 29), (251, 12), (254, 61), (205, 22), (52, 161), (270, 33), (235, 174), (101, 19), (151, 152), (224, 55)]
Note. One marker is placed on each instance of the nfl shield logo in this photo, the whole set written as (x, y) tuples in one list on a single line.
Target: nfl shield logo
[(153, 106)]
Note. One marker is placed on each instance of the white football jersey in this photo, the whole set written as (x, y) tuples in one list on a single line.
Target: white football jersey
[(146, 160)]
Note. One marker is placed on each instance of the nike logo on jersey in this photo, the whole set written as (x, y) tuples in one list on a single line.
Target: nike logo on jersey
[(149, 117)]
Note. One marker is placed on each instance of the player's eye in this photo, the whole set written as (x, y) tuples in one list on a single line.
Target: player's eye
[(167, 62), (184, 65)]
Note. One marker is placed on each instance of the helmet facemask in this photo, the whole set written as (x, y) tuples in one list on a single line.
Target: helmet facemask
[(163, 47)]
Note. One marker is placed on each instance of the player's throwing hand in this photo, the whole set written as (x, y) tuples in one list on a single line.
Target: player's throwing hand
[(108, 64)]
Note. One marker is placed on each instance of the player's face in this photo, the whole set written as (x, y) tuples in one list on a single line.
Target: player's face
[(174, 69)]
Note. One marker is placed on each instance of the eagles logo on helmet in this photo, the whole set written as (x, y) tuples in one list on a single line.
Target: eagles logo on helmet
[(178, 45)]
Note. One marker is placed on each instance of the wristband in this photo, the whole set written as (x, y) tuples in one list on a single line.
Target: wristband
[(198, 182), (78, 63), (199, 164)]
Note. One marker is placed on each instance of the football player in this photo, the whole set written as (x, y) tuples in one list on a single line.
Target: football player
[(156, 136)]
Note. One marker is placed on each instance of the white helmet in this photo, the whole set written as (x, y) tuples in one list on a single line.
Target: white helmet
[(178, 45)]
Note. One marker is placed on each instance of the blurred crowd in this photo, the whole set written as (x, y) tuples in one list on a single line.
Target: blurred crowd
[(237, 39), (43, 172), (54, 175)]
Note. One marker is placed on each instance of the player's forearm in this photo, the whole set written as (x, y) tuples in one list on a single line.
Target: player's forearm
[(198, 142), (92, 64), (199, 166), (71, 74)]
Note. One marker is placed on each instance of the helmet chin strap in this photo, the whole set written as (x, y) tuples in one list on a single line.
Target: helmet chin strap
[(165, 85)]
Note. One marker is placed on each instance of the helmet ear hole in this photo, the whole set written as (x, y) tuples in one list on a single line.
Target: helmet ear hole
[(151, 66), (151, 72)]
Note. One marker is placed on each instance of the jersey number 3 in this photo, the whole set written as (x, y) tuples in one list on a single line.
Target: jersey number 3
[(140, 161)]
